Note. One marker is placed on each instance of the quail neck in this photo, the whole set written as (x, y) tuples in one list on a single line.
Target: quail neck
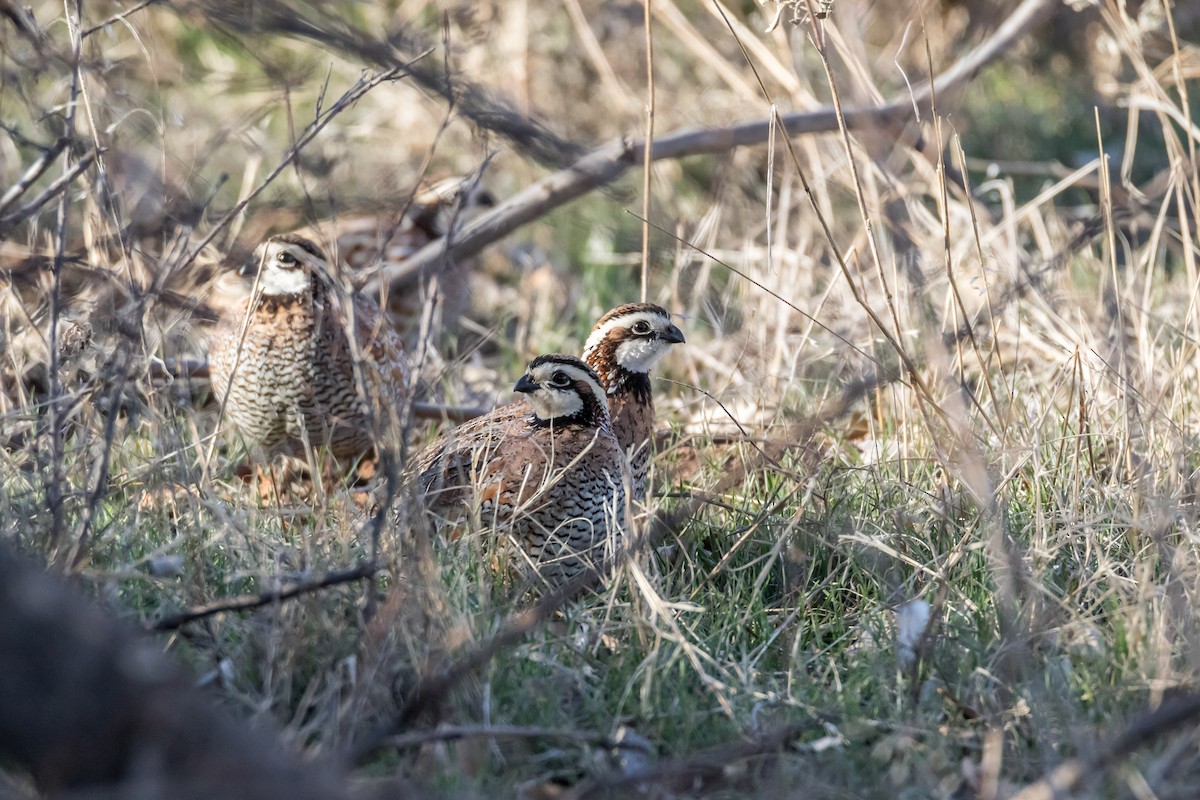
[(625, 344)]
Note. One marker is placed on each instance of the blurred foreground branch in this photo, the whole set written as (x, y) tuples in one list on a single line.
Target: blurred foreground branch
[(1075, 774), (89, 707)]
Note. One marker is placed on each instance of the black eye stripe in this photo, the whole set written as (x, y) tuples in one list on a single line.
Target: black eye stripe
[(309, 248), (303, 244), (545, 367)]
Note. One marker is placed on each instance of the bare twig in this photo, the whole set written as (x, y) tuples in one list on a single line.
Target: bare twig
[(119, 17), (33, 173), (56, 189), (249, 601), (449, 733), (179, 369), (454, 414), (709, 768)]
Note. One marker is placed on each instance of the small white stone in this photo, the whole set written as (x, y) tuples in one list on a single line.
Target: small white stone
[(165, 566), (912, 619)]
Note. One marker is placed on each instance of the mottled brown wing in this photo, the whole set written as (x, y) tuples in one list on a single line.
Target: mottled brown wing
[(532, 464), (383, 345), (456, 462)]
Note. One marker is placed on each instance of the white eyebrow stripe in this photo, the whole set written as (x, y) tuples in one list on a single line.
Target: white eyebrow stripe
[(623, 321)]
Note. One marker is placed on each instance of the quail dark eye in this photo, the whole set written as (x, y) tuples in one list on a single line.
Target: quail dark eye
[(560, 380), (641, 326), (286, 259)]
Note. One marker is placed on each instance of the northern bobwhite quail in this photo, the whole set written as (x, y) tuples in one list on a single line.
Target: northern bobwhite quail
[(284, 362), (550, 477), (624, 346)]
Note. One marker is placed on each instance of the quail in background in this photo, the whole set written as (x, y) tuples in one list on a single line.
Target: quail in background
[(367, 243), (284, 361), (624, 346)]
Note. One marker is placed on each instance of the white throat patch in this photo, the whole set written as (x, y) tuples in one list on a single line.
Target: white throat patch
[(276, 281), (551, 402), (641, 355), (555, 403)]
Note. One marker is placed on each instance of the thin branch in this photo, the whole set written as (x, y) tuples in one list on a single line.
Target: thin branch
[(708, 768), (179, 369), (119, 17), (609, 162), (52, 191), (450, 733), (455, 414), (1073, 773), (34, 172), (250, 601)]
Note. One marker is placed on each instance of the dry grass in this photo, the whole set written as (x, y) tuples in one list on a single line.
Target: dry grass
[(1025, 464)]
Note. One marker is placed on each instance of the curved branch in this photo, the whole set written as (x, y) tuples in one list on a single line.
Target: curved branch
[(92, 709), (608, 163)]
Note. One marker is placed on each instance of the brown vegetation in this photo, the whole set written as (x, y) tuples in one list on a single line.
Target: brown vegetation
[(925, 518)]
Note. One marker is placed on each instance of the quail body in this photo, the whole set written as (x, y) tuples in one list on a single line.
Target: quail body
[(625, 344), (547, 473), (296, 366)]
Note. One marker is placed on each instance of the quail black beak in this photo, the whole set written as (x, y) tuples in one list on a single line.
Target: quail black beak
[(526, 385), (672, 335)]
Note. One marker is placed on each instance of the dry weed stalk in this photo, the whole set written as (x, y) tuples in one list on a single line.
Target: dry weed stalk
[(982, 388)]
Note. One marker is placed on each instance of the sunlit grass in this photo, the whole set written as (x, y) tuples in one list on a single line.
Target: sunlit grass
[(1033, 482)]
